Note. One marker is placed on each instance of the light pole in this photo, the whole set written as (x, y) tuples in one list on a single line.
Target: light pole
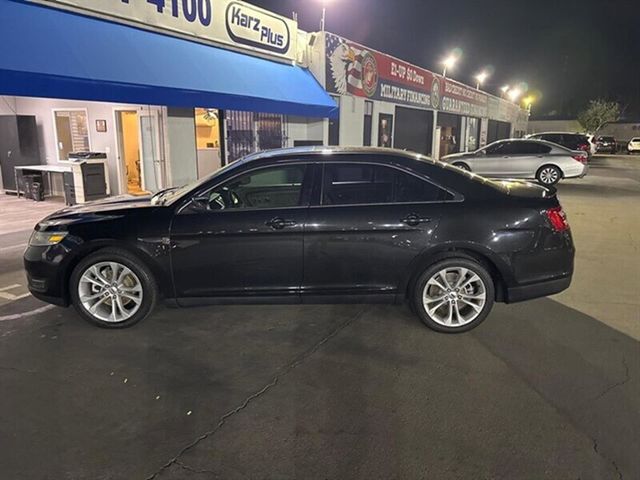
[(481, 78), (323, 20), (449, 63)]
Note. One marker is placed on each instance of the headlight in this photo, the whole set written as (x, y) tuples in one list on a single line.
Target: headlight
[(44, 239)]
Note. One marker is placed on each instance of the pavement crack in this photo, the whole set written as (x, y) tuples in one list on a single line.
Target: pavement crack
[(612, 462), (282, 372), (617, 384)]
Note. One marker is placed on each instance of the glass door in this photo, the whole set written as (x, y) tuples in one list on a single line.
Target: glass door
[(152, 150)]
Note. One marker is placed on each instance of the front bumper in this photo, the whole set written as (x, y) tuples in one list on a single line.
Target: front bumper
[(46, 268), (537, 290)]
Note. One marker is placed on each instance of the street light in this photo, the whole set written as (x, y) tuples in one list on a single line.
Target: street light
[(450, 62), (480, 79), (528, 101), (515, 94)]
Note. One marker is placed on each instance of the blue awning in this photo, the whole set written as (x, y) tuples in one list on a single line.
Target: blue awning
[(50, 53)]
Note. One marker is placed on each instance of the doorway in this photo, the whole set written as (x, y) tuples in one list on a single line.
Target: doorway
[(128, 130)]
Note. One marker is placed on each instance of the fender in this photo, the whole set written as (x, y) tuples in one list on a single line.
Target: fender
[(154, 253), (498, 265)]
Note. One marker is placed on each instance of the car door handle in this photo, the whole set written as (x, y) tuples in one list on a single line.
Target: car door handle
[(278, 223), (413, 220)]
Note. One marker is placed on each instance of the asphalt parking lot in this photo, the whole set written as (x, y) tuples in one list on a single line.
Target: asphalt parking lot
[(544, 389)]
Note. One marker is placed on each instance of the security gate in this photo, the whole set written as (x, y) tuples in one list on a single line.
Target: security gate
[(249, 132)]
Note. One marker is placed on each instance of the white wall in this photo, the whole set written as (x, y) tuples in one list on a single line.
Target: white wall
[(8, 105), (536, 126), (182, 156), (300, 128), (351, 121)]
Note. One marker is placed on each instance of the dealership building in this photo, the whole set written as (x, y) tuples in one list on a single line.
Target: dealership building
[(168, 92), (387, 102)]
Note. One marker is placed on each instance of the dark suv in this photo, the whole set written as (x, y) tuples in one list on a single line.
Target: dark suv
[(572, 141), (606, 144), (310, 225)]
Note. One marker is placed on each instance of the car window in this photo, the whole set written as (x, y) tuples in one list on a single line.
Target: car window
[(554, 138), (530, 148), (495, 148), (359, 184), (273, 187)]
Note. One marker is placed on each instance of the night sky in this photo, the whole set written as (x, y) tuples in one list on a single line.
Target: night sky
[(569, 51)]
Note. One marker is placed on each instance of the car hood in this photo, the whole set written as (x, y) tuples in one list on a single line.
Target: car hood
[(112, 204)]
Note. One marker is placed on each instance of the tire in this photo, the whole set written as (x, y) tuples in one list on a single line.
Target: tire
[(133, 299), (462, 166), (477, 283), (548, 175)]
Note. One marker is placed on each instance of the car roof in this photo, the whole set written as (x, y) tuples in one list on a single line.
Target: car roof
[(335, 152), (559, 133), (533, 140)]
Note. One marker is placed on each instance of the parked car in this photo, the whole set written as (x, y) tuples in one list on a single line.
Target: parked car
[(523, 158), (572, 141), (606, 144), (310, 225), (634, 145)]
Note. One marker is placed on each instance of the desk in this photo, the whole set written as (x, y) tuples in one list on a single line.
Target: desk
[(48, 169), (83, 181)]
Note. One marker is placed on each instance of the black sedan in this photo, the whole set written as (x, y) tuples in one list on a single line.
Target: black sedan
[(310, 225)]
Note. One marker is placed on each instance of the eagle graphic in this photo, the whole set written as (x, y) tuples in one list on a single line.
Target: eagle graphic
[(346, 63)]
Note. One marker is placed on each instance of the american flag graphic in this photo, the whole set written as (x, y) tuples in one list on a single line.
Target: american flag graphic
[(345, 60)]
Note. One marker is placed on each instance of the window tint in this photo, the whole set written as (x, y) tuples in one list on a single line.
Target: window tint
[(552, 138), (528, 148), (358, 184), (275, 187), (495, 148)]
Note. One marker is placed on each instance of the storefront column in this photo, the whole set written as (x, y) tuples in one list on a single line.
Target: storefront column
[(435, 144)]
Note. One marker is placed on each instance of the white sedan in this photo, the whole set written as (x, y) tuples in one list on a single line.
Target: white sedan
[(634, 145), (546, 162)]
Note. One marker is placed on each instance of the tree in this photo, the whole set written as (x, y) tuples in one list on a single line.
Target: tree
[(598, 113)]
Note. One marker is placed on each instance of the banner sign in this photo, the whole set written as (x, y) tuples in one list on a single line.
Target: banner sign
[(353, 69), (357, 70), (225, 22), (463, 100)]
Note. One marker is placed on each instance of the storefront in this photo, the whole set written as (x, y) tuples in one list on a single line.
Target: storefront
[(402, 105), (168, 93)]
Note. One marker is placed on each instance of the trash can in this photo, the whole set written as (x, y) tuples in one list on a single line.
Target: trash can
[(37, 191), (28, 181)]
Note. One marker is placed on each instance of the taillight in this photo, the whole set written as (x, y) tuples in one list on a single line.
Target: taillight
[(580, 158), (557, 219)]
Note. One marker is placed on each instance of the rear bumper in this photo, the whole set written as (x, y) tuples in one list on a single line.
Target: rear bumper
[(537, 290)]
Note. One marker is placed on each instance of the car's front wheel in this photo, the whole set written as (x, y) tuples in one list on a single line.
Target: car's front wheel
[(113, 289), (549, 175), (454, 295)]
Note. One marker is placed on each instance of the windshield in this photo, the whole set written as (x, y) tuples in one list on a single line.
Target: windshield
[(170, 195)]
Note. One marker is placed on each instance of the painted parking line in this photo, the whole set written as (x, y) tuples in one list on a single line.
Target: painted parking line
[(17, 316), (4, 293)]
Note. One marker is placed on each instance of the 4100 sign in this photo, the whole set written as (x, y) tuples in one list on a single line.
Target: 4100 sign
[(191, 9)]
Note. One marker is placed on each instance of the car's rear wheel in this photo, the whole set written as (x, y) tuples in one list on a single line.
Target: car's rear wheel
[(113, 289), (463, 166), (549, 175), (454, 295)]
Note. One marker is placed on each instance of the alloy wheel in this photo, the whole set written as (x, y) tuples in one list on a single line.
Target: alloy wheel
[(549, 176), (110, 291), (454, 296)]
